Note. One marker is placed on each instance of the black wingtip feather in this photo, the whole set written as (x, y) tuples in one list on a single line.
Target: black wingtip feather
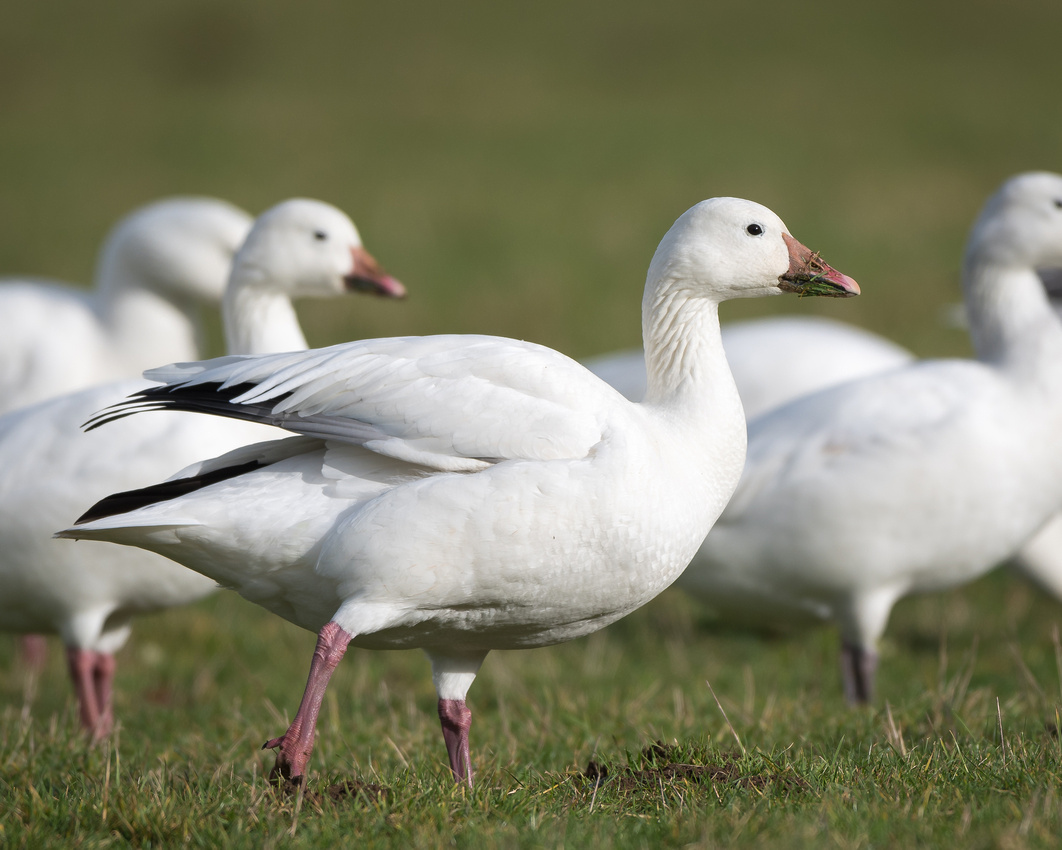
[(130, 500), (190, 398)]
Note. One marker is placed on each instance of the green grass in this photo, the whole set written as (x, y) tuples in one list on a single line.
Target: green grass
[(612, 740), (515, 166)]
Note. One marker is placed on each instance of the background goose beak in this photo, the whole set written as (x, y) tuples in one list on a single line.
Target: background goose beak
[(367, 276)]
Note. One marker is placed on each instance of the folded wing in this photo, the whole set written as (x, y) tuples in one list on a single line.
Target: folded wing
[(455, 403)]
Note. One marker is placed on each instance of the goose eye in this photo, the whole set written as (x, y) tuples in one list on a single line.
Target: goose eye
[(754, 230), (1058, 203), (320, 235)]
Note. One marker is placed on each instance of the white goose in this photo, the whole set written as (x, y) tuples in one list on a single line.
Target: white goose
[(155, 269), (467, 493), (88, 593), (915, 480)]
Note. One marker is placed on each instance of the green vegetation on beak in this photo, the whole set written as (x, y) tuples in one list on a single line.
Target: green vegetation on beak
[(809, 275)]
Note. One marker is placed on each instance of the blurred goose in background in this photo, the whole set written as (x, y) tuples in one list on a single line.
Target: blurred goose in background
[(468, 493), (88, 593), (1040, 559), (915, 480), (157, 266), (155, 269)]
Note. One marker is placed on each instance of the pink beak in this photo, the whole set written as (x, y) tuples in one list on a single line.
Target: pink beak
[(367, 276), (809, 275)]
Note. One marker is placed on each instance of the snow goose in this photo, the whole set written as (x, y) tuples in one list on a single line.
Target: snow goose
[(88, 593), (468, 493), (157, 265), (915, 480)]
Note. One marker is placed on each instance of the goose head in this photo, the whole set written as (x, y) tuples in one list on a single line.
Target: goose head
[(726, 248), (1021, 224), (305, 248), (180, 248)]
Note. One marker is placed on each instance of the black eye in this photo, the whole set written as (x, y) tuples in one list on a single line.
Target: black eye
[(1058, 203), (320, 235), (754, 230)]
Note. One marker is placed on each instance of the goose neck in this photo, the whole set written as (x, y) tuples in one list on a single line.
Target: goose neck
[(259, 318), (1012, 323), (686, 366)]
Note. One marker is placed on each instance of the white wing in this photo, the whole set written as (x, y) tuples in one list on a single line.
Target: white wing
[(449, 402)]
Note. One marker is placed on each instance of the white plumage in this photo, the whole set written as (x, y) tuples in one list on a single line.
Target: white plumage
[(88, 592), (914, 480), (462, 494), (157, 266)]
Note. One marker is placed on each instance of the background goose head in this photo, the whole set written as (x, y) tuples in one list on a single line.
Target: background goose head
[(1017, 234), (1021, 224), (726, 248), (307, 248), (180, 248)]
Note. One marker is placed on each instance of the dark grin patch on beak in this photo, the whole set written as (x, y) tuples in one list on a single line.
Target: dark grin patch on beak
[(809, 275), (367, 276)]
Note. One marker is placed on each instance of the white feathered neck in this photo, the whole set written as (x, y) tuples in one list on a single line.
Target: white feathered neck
[(258, 318), (1012, 323)]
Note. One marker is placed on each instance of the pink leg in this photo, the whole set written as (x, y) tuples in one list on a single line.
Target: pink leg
[(93, 675), (297, 743), (456, 720), (34, 651), (103, 687), (82, 663)]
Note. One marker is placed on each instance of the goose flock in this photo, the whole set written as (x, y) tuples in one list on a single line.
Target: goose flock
[(944, 468), (87, 594), (157, 268), (398, 519), (467, 493)]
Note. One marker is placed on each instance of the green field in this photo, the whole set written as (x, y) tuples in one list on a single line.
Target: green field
[(515, 166)]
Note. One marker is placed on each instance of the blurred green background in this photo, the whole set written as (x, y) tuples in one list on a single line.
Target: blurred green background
[(516, 164)]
